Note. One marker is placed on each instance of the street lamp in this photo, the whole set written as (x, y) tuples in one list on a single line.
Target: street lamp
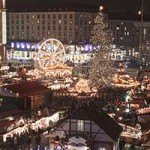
[(141, 13)]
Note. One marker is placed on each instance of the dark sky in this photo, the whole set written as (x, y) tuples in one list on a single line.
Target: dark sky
[(116, 6)]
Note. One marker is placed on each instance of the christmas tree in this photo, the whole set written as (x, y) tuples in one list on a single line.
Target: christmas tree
[(101, 67)]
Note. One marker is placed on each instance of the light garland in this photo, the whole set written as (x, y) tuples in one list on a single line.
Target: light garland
[(101, 70)]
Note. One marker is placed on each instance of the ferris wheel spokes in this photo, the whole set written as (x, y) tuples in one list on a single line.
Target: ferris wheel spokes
[(50, 53)]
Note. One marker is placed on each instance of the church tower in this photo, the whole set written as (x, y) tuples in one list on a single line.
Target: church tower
[(3, 32)]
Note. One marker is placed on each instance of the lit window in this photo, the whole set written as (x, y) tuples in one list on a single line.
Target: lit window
[(117, 28), (80, 125), (70, 21), (59, 21), (101, 148)]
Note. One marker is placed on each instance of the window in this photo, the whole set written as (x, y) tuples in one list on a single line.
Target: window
[(101, 148), (33, 27), (43, 16), (65, 16), (89, 22), (54, 16), (59, 16), (65, 28), (65, 22), (59, 21), (71, 16), (43, 21), (22, 16), (80, 125), (59, 28), (49, 16), (12, 16), (54, 22), (70, 21)]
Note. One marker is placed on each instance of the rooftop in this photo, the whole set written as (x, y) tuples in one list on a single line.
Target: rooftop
[(26, 88), (101, 118)]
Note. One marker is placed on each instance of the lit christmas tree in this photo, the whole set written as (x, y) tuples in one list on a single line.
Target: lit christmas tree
[(101, 69)]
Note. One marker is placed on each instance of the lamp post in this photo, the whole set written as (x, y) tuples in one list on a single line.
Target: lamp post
[(141, 13)]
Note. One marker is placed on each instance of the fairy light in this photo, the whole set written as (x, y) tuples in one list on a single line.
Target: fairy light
[(101, 70)]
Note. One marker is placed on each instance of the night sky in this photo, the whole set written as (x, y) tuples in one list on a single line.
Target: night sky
[(115, 6)]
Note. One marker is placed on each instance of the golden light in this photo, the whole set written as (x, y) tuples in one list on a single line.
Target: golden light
[(139, 12), (101, 8)]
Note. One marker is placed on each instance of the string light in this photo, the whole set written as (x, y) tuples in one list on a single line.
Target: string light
[(101, 68)]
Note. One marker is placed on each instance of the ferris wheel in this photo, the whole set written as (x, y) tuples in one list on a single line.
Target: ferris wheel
[(50, 52)]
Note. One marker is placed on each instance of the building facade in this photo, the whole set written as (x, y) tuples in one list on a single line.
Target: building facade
[(72, 25), (88, 128), (3, 38), (36, 26)]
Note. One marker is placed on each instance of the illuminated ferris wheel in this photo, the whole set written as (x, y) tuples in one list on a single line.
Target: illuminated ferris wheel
[(50, 52)]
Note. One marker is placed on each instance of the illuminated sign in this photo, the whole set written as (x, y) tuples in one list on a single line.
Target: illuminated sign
[(23, 46)]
